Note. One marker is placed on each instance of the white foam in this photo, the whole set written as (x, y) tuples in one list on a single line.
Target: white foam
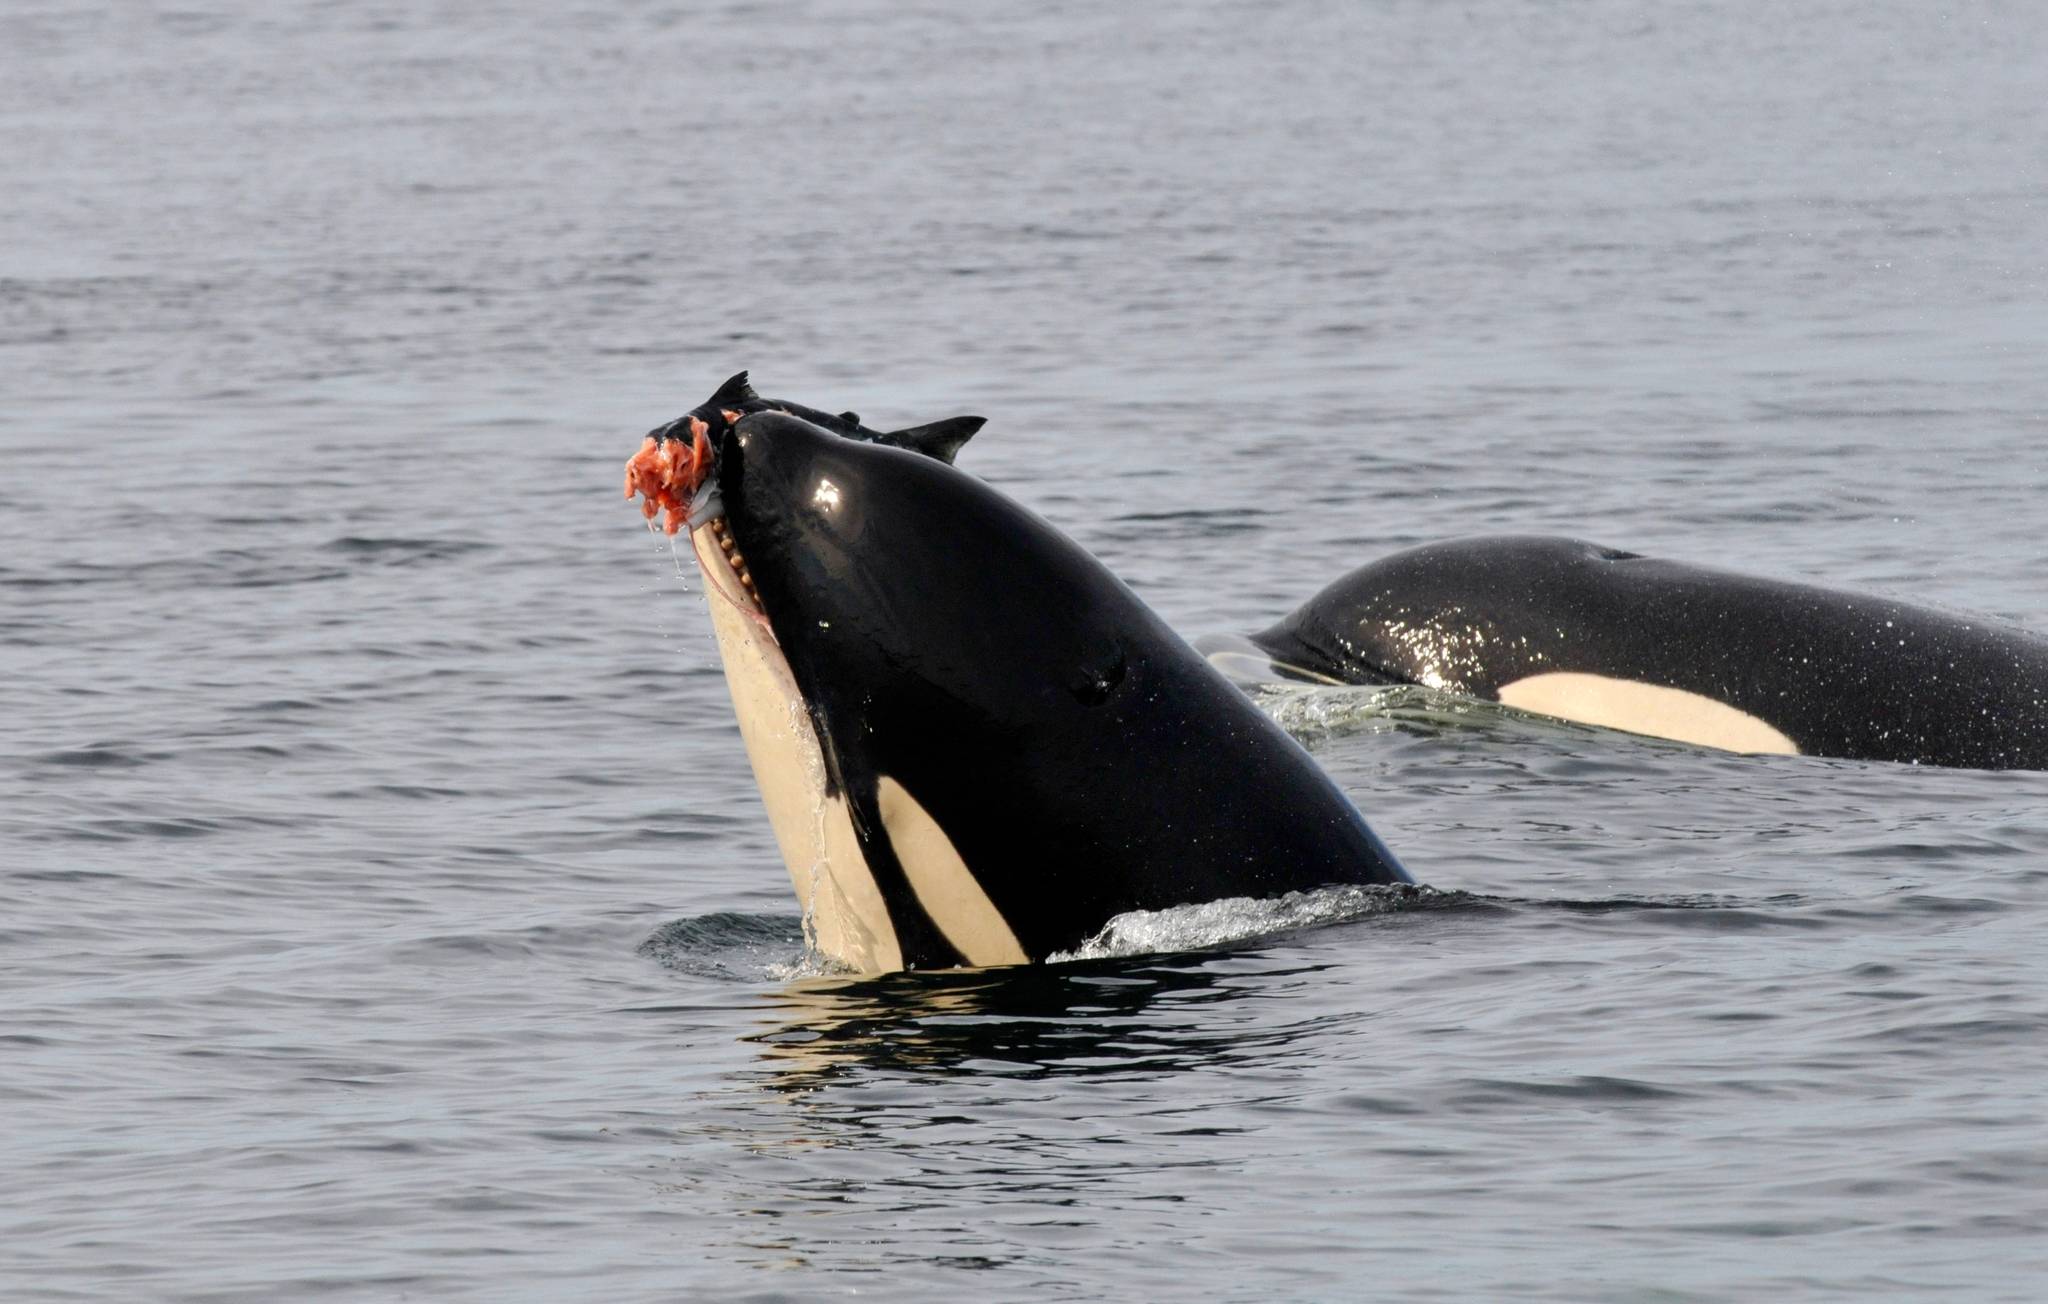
[(1233, 919), (1315, 711), (811, 964)]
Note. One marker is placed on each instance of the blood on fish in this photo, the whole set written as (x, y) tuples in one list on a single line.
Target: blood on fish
[(666, 474)]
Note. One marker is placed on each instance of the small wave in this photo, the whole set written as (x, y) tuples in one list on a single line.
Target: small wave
[(1590, 1088), (734, 946), (406, 551), (1236, 919), (99, 756)]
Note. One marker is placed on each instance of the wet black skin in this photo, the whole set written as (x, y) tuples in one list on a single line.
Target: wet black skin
[(940, 439), (1083, 760), (1841, 674)]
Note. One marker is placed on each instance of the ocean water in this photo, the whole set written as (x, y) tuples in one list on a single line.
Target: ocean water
[(385, 908)]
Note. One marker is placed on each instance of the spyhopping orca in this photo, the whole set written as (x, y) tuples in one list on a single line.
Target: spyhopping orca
[(975, 744)]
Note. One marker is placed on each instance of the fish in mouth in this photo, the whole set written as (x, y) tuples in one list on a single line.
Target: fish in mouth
[(975, 744), (679, 453)]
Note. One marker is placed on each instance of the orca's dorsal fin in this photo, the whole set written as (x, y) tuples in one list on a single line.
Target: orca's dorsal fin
[(734, 392), (940, 439), (850, 418)]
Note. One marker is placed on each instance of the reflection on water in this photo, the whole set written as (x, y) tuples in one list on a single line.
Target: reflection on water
[(1120, 1018), (1143, 1016), (1076, 1106)]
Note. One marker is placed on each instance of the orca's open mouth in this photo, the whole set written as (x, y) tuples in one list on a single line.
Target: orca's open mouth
[(723, 564), (674, 474)]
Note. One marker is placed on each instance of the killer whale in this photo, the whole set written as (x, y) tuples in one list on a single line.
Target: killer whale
[(1603, 636), (977, 746)]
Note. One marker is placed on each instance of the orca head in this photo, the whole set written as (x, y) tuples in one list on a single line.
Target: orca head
[(735, 397), (1465, 615)]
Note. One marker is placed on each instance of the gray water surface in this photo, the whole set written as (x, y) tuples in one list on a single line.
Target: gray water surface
[(385, 907)]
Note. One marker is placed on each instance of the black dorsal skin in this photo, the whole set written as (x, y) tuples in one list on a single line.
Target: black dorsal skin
[(1081, 758), (939, 439), (1840, 674)]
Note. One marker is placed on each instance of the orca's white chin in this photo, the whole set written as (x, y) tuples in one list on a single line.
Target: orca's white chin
[(845, 919)]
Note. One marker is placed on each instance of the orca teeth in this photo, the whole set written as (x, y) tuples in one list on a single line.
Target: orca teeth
[(735, 563)]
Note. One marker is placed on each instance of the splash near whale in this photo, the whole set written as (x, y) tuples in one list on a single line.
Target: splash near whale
[(1602, 636)]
